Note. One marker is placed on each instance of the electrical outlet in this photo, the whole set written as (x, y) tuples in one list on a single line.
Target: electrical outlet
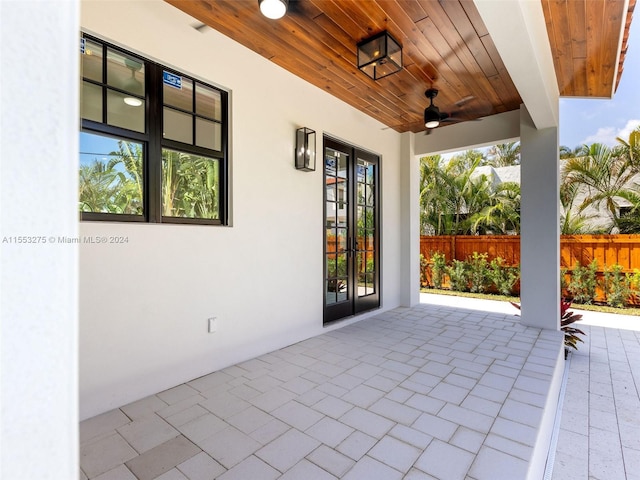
[(213, 324)]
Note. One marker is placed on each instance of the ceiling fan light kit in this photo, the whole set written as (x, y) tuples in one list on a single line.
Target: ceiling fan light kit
[(432, 115), (380, 55), (273, 9)]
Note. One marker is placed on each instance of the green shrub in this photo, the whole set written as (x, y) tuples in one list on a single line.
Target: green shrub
[(458, 276), (438, 269), (423, 270), (563, 281), (617, 286), (503, 276), (478, 272), (582, 285)]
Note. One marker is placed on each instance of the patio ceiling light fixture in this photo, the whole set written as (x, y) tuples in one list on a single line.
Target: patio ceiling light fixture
[(380, 55), (306, 149), (273, 9)]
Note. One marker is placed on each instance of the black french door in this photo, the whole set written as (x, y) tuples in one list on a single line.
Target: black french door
[(351, 238)]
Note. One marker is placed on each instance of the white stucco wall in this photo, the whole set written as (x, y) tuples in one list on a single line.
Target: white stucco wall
[(144, 305)]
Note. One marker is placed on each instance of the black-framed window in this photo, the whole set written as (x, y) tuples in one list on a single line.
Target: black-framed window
[(153, 141)]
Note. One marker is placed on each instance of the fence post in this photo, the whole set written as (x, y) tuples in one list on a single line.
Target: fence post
[(453, 248)]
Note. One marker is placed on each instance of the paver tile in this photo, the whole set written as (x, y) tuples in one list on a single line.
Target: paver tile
[(287, 450), (394, 453), (330, 460)]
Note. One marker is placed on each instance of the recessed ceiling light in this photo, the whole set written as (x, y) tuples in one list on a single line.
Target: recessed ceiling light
[(133, 102), (273, 9)]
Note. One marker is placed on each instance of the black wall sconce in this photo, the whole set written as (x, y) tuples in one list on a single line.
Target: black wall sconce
[(306, 149), (380, 55)]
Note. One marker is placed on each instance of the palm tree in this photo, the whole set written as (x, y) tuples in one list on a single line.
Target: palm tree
[(434, 196), (572, 221), (566, 152), (602, 174), (501, 216), (453, 197), (504, 154), (629, 149)]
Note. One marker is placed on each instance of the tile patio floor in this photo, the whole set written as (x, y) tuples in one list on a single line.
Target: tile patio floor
[(599, 434), (431, 392)]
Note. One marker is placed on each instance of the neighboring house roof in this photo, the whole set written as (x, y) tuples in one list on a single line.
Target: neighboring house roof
[(597, 218)]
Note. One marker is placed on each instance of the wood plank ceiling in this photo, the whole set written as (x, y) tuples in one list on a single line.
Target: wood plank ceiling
[(585, 42), (445, 46)]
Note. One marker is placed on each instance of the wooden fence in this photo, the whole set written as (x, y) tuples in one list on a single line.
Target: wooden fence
[(607, 250)]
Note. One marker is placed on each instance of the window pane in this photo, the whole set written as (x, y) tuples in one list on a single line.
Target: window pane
[(180, 97), (125, 111), (190, 185), (92, 61), (110, 175), (125, 72), (208, 134), (208, 102), (178, 126), (91, 102)]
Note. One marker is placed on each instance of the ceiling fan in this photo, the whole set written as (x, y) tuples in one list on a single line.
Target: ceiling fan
[(433, 117)]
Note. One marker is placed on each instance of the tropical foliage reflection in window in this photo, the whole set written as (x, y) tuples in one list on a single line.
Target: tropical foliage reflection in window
[(111, 178), (190, 185)]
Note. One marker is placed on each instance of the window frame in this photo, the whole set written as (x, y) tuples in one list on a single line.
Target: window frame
[(154, 142)]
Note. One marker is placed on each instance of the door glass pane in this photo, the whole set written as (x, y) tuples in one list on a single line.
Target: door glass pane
[(369, 195), (370, 288), (331, 192), (342, 164), (361, 193), (342, 204), (362, 170), (332, 266), (332, 220), (180, 96), (331, 240), (365, 215), (91, 102), (342, 293), (177, 126), (110, 175), (92, 61), (342, 239), (332, 291), (125, 111), (190, 185), (342, 264), (330, 163), (125, 72)]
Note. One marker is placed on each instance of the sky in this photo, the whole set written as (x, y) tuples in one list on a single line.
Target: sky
[(586, 121)]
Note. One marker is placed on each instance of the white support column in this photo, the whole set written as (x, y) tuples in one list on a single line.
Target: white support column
[(410, 222), (39, 46), (540, 225)]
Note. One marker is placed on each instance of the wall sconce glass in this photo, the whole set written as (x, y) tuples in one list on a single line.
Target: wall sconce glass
[(273, 9), (380, 55), (305, 149)]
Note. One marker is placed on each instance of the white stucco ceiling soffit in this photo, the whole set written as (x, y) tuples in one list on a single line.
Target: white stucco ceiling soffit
[(518, 30)]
